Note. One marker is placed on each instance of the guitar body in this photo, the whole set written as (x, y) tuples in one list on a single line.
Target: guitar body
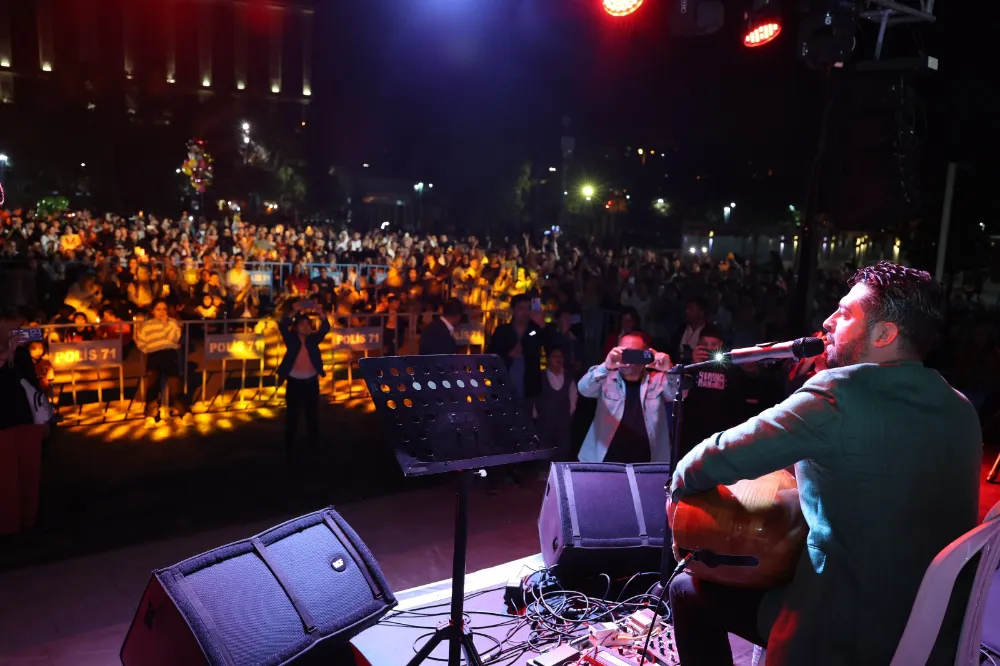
[(758, 519)]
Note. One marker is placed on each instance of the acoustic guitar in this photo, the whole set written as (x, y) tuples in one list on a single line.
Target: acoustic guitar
[(749, 534)]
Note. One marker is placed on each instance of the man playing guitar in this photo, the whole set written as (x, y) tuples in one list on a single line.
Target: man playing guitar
[(887, 457)]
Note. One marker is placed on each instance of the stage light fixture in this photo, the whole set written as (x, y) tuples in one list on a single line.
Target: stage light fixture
[(763, 23), (827, 33), (621, 7)]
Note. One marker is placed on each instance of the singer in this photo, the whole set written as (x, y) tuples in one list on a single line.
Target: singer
[(887, 458)]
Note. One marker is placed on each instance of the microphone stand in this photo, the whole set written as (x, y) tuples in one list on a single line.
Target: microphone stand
[(685, 373)]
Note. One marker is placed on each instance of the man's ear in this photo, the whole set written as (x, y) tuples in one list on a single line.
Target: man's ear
[(885, 333)]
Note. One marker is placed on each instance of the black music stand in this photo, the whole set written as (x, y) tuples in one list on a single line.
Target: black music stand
[(456, 413)]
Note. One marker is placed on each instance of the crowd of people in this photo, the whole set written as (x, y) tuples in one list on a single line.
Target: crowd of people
[(81, 270)]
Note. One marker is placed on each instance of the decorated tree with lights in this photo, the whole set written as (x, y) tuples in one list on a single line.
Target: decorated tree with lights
[(198, 166)]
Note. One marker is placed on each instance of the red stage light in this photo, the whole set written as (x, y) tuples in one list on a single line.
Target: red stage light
[(621, 7), (762, 34)]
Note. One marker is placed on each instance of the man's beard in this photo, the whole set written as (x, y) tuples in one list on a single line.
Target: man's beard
[(847, 353)]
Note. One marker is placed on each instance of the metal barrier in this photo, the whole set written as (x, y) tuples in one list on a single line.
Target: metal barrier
[(218, 349), (76, 350), (271, 275)]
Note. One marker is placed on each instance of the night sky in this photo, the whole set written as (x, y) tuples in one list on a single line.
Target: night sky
[(467, 89)]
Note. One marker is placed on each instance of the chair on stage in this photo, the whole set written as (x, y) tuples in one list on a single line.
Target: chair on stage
[(935, 590)]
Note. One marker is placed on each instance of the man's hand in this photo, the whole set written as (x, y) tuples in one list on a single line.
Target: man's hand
[(614, 359), (700, 355), (661, 361)]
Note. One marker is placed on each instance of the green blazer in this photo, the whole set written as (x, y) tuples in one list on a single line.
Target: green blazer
[(887, 459)]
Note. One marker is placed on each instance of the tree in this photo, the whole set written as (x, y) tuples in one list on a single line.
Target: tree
[(291, 186), (521, 192)]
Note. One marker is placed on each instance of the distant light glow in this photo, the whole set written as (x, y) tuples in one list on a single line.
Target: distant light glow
[(171, 79), (640, 151), (762, 34), (4, 62), (693, 250), (275, 88), (704, 250), (621, 7), (365, 165), (206, 82), (83, 165), (552, 169), (241, 85), (307, 90), (245, 126), (659, 201), (588, 191), (46, 67), (246, 139)]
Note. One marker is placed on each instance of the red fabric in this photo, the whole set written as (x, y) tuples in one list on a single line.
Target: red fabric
[(20, 477)]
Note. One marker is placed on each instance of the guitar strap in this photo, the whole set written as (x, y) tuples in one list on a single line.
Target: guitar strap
[(637, 504)]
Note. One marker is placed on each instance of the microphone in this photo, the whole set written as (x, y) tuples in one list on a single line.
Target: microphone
[(796, 349)]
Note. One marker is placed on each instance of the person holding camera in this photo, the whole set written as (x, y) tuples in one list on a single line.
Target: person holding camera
[(717, 397), (633, 391), (301, 367)]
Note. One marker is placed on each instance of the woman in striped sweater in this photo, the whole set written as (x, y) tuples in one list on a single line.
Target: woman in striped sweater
[(160, 340)]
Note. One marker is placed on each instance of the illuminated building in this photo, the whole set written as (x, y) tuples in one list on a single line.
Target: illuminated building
[(156, 54)]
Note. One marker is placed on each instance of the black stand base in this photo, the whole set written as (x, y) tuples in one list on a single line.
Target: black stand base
[(461, 642), (455, 632)]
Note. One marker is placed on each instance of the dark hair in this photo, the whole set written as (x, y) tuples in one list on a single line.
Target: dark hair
[(909, 298), (517, 300), (642, 335), (152, 306), (630, 311), (699, 301), (453, 308), (712, 331)]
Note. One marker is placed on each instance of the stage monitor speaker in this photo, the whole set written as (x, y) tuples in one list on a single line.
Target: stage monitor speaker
[(603, 518), (294, 594)]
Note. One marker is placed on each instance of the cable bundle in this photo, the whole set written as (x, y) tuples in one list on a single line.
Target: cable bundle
[(553, 616)]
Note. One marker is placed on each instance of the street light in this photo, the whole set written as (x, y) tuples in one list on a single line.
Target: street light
[(726, 211), (732, 205), (552, 169), (246, 126), (588, 191)]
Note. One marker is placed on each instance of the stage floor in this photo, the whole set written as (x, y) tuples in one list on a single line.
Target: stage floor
[(76, 612), (388, 644)]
